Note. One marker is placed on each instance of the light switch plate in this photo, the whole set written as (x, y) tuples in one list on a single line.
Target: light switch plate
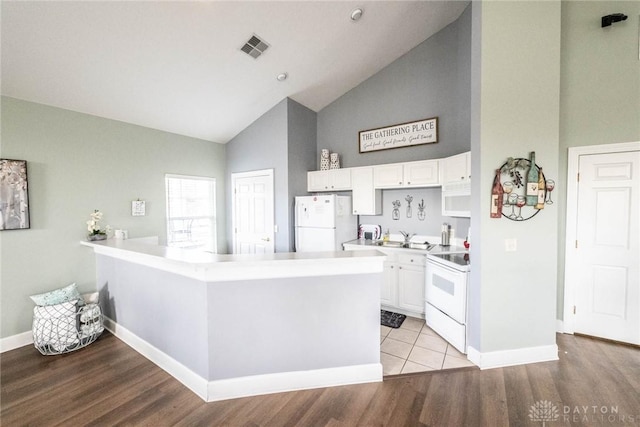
[(510, 245)]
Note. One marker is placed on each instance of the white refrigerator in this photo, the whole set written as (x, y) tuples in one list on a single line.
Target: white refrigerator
[(323, 223)]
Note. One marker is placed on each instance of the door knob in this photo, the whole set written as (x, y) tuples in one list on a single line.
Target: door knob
[(266, 239)]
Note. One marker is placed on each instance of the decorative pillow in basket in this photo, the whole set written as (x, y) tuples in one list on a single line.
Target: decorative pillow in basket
[(64, 320)]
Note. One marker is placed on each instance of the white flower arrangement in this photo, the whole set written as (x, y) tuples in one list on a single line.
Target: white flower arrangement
[(94, 227)]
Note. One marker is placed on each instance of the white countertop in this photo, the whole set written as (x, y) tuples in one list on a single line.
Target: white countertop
[(215, 268), (437, 249)]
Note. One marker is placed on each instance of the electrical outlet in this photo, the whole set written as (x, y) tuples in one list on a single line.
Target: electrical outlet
[(510, 245)]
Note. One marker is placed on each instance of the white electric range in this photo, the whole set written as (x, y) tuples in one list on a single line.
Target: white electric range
[(446, 291)]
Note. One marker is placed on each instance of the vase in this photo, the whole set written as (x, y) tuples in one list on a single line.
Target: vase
[(94, 237)]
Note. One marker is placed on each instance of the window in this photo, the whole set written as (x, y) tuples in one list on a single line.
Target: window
[(191, 212)]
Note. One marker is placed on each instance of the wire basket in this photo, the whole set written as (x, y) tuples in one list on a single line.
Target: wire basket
[(66, 327)]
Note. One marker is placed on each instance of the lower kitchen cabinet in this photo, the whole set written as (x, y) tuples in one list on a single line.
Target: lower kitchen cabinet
[(403, 284), (411, 288), (389, 291), (403, 280)]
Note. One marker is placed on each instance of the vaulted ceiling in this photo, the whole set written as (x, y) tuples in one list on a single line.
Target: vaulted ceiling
[(177, 66)]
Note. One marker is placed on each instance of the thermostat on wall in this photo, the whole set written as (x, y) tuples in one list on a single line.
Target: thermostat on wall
[(138, 208)]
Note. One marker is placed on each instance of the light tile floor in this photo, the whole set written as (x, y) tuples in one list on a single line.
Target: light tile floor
[(414, 347)]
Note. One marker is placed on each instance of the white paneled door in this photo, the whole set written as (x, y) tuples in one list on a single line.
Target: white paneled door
[(607, 254), (253, 212)]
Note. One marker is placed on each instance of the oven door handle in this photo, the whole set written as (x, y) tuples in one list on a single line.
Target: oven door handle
[(444, 267)]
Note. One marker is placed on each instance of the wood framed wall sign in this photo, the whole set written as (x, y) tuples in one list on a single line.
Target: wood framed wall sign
[(14, 198), (398, 136)]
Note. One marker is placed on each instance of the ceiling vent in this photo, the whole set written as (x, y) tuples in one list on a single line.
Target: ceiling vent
[(254, 47)]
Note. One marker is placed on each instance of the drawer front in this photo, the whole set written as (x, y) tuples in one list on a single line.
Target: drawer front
[(452, 331), (412, 259)]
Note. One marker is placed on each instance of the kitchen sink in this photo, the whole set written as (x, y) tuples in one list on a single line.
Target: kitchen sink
[(411, 245), (390, 243)]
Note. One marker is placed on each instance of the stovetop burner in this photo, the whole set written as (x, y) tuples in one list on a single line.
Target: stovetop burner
[(461, 259)]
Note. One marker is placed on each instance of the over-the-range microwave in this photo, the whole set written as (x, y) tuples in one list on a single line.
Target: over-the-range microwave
[(456, 199)]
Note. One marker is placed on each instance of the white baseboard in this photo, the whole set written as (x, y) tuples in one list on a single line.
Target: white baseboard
[(16, 341), (211, 391), (190, 379), (290, 381), (520, 356)]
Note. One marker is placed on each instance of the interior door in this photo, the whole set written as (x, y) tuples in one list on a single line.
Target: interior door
[(607, 292), (253, 212)]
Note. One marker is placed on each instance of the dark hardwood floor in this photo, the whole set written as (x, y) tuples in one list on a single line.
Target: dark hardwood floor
[(107, 383)]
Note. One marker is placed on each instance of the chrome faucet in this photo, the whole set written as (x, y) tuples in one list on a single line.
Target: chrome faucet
[(407, 236)]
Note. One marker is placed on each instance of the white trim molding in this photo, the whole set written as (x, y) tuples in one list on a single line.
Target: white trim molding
[(190, 379), (211, 391), (16, 341), (572, 220), (519, 356), (291, 381)]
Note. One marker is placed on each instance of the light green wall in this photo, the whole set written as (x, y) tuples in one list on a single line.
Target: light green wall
[(78, 163), (515, 110), (600, 89)]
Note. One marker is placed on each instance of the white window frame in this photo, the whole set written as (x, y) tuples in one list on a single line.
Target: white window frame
[(212, 217)]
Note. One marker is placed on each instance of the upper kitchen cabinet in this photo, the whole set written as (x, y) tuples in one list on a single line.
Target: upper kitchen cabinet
[(456, 168), (456, 185), (366, 200), (422, 173), (329, 180)]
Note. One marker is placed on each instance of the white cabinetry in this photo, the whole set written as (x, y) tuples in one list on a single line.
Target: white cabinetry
[(456, 185), (456, 168), (366, 200), (411, 277), (388, 176), (389, 291), (403, 279), (329, 180), (411, 174), (421, 174), (403, 283)]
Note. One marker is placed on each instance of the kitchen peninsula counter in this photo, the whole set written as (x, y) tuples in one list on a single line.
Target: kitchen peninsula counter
[(229, 326)]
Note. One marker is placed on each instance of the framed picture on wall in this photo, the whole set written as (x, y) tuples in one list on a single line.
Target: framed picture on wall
[(14, 196), (398, 136)]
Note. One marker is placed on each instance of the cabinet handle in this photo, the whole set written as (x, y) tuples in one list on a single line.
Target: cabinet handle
[(400, 182), (409, 182), (462, 178), (399, 268), (392, 266), (412, 260)]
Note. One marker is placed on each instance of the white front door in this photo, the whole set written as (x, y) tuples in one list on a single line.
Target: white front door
[(607, 254), (253, 214)]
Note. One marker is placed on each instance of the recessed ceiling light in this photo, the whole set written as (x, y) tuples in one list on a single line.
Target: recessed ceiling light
[(356, 14), (282, 77)]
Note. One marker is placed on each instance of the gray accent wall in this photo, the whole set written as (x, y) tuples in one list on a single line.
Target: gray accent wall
[(283, 139), (302, 123), (78, 163), (431, 80), (431, 226)]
